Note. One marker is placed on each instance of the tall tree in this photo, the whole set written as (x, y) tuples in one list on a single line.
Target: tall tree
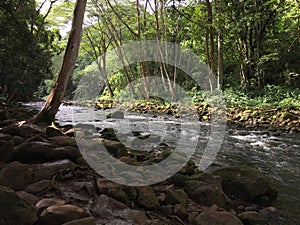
[(50, 108)]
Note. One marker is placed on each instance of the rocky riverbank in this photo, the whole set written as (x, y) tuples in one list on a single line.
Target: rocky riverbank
[(45, 180), (274, 119)]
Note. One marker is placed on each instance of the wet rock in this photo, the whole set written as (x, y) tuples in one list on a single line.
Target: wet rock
[(39, 187), (32, 199), (14, 210), (47, 170), (176, 197), (252, 218), (83, 221), (116, 115), (67, 152), (16, 175), (245, 183), (209, 217), (117, 149), (53, 132), (46, 202), (146, 197), (60, 214), (6, 150), (32, 152)]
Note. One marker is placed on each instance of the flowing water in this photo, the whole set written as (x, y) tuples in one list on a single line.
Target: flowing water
[(275, 154)]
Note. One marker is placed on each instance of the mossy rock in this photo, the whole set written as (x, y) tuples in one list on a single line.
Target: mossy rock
[(246, 183)]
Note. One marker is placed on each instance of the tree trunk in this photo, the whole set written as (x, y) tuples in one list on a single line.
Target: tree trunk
[(50, 108)]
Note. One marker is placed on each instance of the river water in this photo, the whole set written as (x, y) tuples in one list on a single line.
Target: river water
[(275, 154)]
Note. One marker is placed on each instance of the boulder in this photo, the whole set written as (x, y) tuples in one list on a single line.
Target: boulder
[(252, 218), (110, 211), (206, 194), (117, 149), (32, 199), (46, 202), (14, 210), (246, 184), (39, 187), (32, 152), (116, 115), (53, 132), (6, 150), (176, 197), (16, 175), (64, 141), (67, 152), (209, 217), (83, 221), (60, 214), (47, 170), (146, 197)]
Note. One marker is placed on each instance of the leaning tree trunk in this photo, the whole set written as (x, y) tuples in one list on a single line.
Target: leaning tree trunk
[(50, 108)]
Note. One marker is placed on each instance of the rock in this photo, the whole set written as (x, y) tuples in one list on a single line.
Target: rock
[(180, 211), (206, 194), (46, 202), (16, 175), (53, 132), (245, 183), (117, 149), (176, 197), (60, 214), (116, 115), (146, 197), (209, 217), (14, 210), (26, 130), (289, 116), (28, 197), (32, 152), (5, 137), (112, 189), (4, 114), (83, 221), (6, 150), (47, 170), (39, 187), (166, 210), (111, 211), (18, 140), (67, 152), (103, 206), (252, 218), (64, 141)]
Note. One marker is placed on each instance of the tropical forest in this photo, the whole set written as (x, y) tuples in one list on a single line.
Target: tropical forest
[(167, 112)]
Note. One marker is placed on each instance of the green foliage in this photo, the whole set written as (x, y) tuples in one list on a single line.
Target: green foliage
[(24, 50)]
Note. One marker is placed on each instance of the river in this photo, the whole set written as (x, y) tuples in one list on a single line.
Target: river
[(277, 154)]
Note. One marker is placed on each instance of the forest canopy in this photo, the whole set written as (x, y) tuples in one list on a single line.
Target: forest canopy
[(250, 46)]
